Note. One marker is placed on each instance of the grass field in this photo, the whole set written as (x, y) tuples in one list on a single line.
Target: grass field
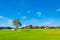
[(30, 34)]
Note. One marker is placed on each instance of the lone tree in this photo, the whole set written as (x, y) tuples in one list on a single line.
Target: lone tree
[(16, 23)]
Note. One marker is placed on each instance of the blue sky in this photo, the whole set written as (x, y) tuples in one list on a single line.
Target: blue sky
[(35, 12)]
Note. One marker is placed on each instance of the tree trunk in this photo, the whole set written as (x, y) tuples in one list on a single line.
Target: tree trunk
[(16, 28)]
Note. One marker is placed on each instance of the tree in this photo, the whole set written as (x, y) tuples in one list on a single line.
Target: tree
[(16, 23), (30, 26)]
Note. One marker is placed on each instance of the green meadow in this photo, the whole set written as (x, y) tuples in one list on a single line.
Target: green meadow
[(30, 34)]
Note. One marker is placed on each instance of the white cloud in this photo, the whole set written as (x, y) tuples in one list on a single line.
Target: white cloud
[(24, 25), (10, 22), (47, 22), (33, 20), (28, 12), (41, 22), (38, 14), (6, 21), (24, 17), (1, 17), (58, 10)]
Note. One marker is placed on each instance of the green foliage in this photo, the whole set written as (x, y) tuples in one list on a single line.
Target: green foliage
[(17, 23), (51, 27), (41, 27), (30, 26)]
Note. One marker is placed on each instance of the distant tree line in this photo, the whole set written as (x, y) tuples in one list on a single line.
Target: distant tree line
[(34, 27), (40, 27), (6, 28)]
